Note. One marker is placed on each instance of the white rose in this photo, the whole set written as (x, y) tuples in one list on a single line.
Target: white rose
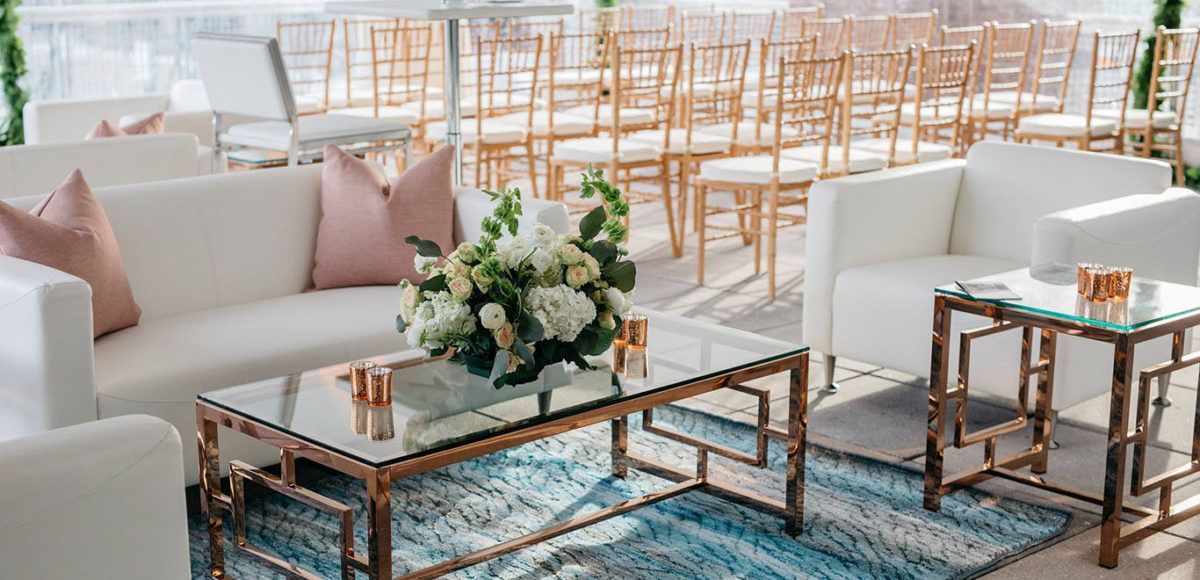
[(460, 288), (516, 252), (505, 335), (615, 299), (577, 276), (481, 278), (593, 267), (491, 316), (570, 254), (606, 320), (542, 235), (424, 265), (540, 260), (408, 303)]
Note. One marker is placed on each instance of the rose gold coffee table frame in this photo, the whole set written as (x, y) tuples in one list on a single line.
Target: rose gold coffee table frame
[(378, 561), (1114, 534)]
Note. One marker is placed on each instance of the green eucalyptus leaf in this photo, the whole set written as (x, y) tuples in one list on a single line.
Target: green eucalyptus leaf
[(590, 225), (622, 275), (603, 251), (529, 328), (434, 284), (425, 248), (401, 325)]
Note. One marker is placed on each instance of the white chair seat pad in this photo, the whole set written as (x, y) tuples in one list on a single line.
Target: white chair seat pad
[(756, 170), (991, 109), (575, 77), (390, 112), (929, 114), (308, 104), (604, 118), (926, 151), (436, 108), (315, 128), (1137, 118), (1064, 125), (702, 143), (564, 125), (861, 161), (745, 133), (1043, 103), (600, 150), (702, 90), (495, 132)]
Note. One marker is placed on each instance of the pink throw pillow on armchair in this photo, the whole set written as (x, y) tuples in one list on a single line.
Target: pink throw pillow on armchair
[(69, 232), (365, 218), (148, 125)]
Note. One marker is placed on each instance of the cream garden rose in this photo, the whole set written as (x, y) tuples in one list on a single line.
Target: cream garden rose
[(577, 276), (492, 316), (505, 335), (460, 288)]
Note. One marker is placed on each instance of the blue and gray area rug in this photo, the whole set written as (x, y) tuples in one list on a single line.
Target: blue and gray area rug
[(864, 518)]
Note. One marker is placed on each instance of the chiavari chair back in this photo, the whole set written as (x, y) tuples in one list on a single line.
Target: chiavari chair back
[(702, 27), (360, 61), (530, 27), (750, 25), (1159, 121), (952, 35), (507, 76), (913, 28), (1052, 69), (307, 50), (599, 20), (1113, 58), (643, 38), (943, 90), (653, 16), (869, 33), (791, 20), (765, 72), (643, 79), (830, 33), (873, 96), (1005, 65), (400, 56)]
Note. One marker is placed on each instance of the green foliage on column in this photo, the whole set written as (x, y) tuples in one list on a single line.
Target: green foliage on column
[(1168, 13), (12, 68), (606, 3)]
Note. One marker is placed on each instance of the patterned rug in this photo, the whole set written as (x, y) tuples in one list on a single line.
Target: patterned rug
[(864, 517)]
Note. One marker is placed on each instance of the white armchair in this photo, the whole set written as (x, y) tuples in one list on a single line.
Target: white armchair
[(879, 243), (100, 500)]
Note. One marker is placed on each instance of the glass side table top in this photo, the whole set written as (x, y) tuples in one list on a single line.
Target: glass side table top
[(437, 405), (1050, 291)]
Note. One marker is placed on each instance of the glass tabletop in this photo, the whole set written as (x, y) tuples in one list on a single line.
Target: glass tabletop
[(437, 405), (1051, 290)]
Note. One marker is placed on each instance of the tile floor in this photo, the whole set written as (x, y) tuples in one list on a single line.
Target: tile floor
[(884, 411)]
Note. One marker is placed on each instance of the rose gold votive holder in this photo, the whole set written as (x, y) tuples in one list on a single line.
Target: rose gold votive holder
[(1081, 276), (636, 327), (358, 379), (1096, 281), (379, 386), (1119, 281)]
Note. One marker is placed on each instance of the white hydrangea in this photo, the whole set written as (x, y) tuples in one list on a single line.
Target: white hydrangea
[(424, 265), (438, 318), (542, 236), (515, 250), (541, 259), (562, 311)]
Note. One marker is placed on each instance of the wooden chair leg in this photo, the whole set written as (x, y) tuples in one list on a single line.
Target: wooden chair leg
[(772, 233), (701, 235), (1180, 175), (686, 196), (529, 158), (757, 222), (669, 205)]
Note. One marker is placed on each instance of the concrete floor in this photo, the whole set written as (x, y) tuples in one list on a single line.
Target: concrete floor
[(884, 411)]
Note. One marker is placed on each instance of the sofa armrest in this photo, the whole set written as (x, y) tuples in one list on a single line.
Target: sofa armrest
[(71, 119), (107, 493), (472, 205), (1158, 235), (871, 218), (46, 359)]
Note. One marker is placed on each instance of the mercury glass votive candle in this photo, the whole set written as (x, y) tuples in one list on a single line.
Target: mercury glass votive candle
[(636, 327), (379, 386), (1096, 280), (1081, 275), (1119, 282), (358, 379)]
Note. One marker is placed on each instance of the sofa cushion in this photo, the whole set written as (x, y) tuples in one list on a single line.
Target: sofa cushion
[(172, 359), (69, 231), (151, 124), (365, 219)]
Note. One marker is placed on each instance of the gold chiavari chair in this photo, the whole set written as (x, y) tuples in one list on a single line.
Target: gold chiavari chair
[(599, 20), (806, 105), (869, 33), (530, 27), (875, 83), (653, 16), (1051, 71), (913, 28), (1113, 56), (360, 62), (469, 35), (1005, 66), (711, 96), (831, 34), (571, 81), (307, 49), (631, 118), (641, 80), (702, 27), (750, 25), (1170, 77), (761, 79), (934, 116), (399, 74), (952, 35), (791, 20)]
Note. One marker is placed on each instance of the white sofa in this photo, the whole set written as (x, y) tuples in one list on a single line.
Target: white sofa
[(879, 243), (58, 121), (38, 169), (219, 265), (104, 500)]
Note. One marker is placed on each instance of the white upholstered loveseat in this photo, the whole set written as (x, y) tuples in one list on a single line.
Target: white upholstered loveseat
[(219, 265), (879, 243)]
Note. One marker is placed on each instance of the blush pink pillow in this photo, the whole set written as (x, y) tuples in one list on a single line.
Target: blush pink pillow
[(364, 219), (148, 125), (69, 232)]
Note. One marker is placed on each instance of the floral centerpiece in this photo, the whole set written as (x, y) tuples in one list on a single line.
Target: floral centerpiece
[(507, 307)]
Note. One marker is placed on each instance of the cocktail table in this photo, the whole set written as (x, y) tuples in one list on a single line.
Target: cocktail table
[(442, 415), (1049, 303)]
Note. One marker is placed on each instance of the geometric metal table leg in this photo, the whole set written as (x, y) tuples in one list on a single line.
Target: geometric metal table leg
[(620, 446), (797, 434), (379, 524), (210, 490), (1044, 417), (935, 432), (1114, 472)]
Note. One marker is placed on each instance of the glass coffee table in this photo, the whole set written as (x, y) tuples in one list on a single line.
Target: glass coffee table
[(1049, 303), (441, 415)]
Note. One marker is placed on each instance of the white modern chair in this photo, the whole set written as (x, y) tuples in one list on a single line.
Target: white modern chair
[(879, 243), (101, 500), (245, 75)]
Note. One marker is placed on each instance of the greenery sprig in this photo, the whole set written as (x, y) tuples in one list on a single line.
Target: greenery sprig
[(610, 216), (12, 68)]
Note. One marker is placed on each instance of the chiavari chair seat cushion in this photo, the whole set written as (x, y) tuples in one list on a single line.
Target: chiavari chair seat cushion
[(495, 132), (702, 90), (436, 108), (989, 109), (604, 117), (926, 151), (564, 125), (600, 150), (745, 133), (389, 112), (757, 170), (309, 104), (562, 78), (1137, 118), (1065, 125), (702, 143), (861, 161), (1044, 102), (929, 114)]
